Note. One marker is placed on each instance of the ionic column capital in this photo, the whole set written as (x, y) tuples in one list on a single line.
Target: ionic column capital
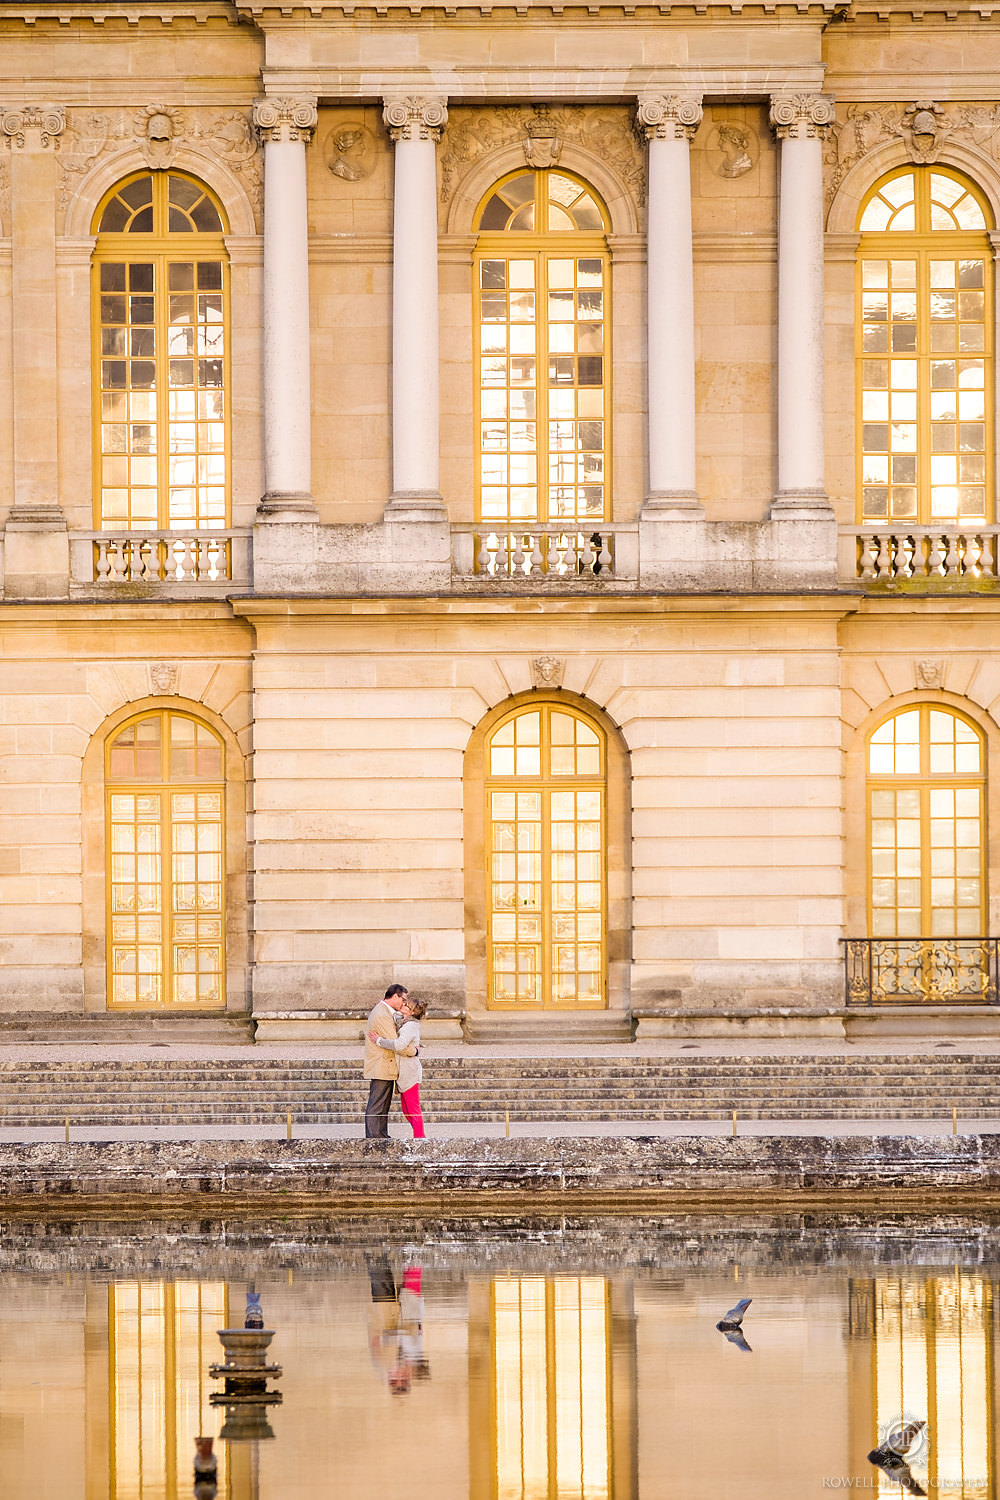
[(48, 120), (669, 117), (415, 117), (801, 116), (285, 119)]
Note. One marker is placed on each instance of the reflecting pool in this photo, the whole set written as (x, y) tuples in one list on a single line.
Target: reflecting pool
[(500, 1360)]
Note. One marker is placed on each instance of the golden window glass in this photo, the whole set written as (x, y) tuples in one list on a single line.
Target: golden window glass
[(926, 801), (547, 862), (165, 865), (934, 1362), (163, 1337), (550, 1345), (924, 352), (542, 284), (160, 357)]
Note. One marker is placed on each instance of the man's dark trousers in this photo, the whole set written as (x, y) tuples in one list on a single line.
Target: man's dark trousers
[(377, 1111)]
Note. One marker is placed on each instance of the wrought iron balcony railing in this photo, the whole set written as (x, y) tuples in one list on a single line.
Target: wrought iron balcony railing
[(922, 971)]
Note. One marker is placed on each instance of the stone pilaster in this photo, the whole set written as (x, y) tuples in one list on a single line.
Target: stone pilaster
[(669, 122), (285, 126), (800, 122), (36, 551), (415, 124)]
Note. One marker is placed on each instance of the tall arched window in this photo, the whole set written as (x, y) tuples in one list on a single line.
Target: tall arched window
[(160, 357), (926, 801), (924, 351), (547, 881), (542, 284), (165, 879)]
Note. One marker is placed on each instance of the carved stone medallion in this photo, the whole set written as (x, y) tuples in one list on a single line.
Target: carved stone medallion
[(732, 150), (349, 152)]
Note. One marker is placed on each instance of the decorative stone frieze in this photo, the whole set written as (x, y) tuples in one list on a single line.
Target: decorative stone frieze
[(669, 117), (799, 116), (607, 132), (160, 132), (547, 672), (416, 117), (285, 119), (43, 123), (923, 127)]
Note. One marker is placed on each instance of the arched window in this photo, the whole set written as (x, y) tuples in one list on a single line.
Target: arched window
[(926, 801), (924, 351), (542, 285), (165, 879), (547, 881), (160, 357)]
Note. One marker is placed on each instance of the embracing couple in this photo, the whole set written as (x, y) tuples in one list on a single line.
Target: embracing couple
[(392, 1059)]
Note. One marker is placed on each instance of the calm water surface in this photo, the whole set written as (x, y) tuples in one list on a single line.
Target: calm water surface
[(502, 1361)]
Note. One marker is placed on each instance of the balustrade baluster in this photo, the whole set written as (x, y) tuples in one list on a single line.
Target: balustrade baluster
[(537, 562), (552, 554), (885, 556), (867, 558), (935, 555), (117, 559), (585, 553), (953, 562), (102, 563), (517, 554), (503, 553), (483, 553), (987, 555)]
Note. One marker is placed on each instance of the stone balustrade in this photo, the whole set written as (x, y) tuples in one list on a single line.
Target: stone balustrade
[(186, 560), (565, 553), (930, 556)]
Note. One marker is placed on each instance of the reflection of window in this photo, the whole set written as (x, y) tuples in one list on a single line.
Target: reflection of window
[(545, 816), (925, 351), (160, 358), (163, 1337), (165, 872), (550, 1344), (542, 284), (926, 789), (933, 1363)]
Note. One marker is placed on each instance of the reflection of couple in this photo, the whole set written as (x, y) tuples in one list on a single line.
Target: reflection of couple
[(392, 1059), (396, 1334)]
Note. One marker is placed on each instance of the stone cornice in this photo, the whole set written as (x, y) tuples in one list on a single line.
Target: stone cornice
[(275, 13), (100, 13)]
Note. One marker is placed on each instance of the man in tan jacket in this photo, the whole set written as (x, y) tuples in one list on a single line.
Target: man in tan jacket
[(381, 1065)]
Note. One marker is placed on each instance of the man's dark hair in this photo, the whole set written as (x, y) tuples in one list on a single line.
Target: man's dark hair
[(396, 989)]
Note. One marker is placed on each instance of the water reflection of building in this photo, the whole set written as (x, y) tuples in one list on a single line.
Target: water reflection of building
[(924, 1349), (559, 1414)]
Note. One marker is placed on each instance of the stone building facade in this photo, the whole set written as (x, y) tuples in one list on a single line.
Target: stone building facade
[(502, 498)]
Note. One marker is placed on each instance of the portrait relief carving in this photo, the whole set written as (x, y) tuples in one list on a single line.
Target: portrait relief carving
[(732, 150), (349, 152)]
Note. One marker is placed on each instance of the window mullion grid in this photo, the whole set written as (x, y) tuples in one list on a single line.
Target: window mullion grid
[(161, 326), (545, 788), (924, 357)]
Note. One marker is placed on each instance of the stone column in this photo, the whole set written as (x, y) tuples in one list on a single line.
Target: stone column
[(285, 127), (800, 121), (670, 122), (415, 125), (36, 550)]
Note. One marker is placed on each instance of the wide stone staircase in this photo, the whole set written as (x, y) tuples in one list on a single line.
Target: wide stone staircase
[(236, 1088)]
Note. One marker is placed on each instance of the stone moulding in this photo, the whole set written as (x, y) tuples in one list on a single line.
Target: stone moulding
[(519, 1174), (923, 128)]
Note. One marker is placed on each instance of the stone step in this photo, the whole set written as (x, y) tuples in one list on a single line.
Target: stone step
[(252, 1089)]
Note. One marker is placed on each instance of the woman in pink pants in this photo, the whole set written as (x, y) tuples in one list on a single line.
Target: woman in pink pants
[(407, 1049)]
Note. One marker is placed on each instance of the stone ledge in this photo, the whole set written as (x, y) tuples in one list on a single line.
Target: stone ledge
[(470, 1175)]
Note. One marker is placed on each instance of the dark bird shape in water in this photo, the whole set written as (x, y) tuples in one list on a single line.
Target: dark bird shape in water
[(732, 1325), (889, 1456), (733, 1319)]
